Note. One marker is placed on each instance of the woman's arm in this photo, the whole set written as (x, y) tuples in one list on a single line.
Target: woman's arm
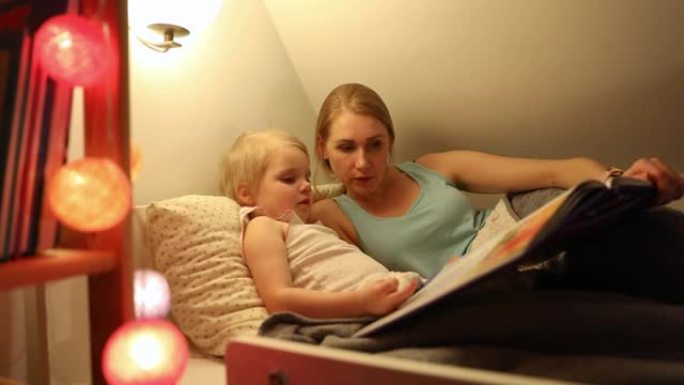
[(485, 173), (266, 256)]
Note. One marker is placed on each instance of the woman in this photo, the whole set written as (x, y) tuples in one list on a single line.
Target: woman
[(413, 216)]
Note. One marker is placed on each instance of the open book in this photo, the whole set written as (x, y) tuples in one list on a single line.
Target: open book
[(546, 231)]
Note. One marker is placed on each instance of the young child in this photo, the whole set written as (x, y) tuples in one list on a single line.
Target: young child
[(297, 264)]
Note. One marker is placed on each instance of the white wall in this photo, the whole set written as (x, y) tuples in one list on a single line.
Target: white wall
[(189, 104)]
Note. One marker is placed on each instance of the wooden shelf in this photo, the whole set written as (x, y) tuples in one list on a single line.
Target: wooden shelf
[(53, 264)]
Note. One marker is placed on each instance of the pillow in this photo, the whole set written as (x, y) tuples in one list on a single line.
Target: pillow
[(195, 243)]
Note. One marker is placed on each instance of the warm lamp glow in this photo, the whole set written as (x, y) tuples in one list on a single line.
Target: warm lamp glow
[(73, 49), (150, 351), (90, 194), (151, 294)]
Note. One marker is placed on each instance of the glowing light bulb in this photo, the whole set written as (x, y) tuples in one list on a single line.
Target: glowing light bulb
[(73, 49), (90, 194), (150, 351), (152, 297)]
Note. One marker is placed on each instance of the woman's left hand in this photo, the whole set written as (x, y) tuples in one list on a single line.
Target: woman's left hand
[(669, 183)]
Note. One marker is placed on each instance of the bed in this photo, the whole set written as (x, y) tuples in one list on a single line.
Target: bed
[(549, 337), (251, 359)]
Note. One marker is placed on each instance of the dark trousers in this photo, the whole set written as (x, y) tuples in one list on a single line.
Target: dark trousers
[(641, 255)]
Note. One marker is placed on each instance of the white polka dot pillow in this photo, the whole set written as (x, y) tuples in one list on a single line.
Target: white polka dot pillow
[(195, 243)]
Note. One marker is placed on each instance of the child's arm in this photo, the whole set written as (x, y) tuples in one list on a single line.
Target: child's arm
[(266, 256)]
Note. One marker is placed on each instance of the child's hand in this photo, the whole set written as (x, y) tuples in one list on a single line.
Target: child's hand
[(383, 296)]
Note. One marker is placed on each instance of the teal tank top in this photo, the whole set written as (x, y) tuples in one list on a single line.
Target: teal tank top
[(441, 223)]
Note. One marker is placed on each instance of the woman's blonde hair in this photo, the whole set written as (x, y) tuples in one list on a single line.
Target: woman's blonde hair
[(247, 159), (350, 97)]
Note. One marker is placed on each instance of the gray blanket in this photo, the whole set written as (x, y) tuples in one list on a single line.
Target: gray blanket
[(561, 335)]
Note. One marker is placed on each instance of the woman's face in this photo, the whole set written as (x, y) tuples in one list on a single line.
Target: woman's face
[(358, 149)]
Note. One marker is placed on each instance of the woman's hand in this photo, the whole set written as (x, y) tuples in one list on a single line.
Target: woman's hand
[(669, 183), (384, 295)]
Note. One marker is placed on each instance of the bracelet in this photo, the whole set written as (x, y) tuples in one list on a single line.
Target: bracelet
[(613, 172)]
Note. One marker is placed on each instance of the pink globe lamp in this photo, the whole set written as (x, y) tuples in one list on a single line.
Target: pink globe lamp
[(73, 49), (90, 194), (151, 294), (150, 352)]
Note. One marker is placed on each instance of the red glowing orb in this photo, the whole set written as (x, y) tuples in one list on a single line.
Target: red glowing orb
[(90, 194), (73, 49), (149, 351)]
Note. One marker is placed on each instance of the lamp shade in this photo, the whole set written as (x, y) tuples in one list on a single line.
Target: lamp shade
[(150, 352), (152, 297), (73, 49), (90, 194)]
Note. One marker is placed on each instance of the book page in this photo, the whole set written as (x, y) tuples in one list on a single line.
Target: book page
[(492, 255)]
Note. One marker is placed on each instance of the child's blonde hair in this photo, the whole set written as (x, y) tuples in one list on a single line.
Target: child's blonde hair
[(247, 159)]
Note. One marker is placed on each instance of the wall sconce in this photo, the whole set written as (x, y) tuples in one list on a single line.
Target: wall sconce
[(160, 24)]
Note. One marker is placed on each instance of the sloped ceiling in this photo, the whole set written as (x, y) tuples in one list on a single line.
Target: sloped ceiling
[(603, 78)]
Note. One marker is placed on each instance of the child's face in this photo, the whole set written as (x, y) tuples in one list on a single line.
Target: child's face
[(285, 185)]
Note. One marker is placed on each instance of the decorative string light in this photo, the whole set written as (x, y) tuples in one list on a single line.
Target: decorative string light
[(73, 49), (94, 194), (149, 351), (152, 297), (90, 194)]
